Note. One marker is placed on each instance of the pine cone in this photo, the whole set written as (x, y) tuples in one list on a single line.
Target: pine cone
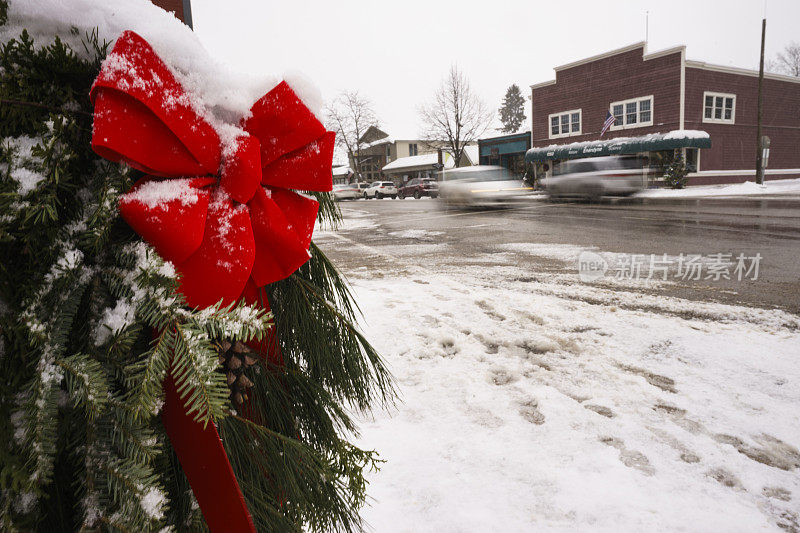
[(235, 359)]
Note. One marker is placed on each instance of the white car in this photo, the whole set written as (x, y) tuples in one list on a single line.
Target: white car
[(595, 177), (381, 189), (482, 185), (346, 191)]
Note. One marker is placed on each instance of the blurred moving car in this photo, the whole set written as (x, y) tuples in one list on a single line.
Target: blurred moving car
[(381, 189), (346, 191), (362, 187), (596, 177), (419, 187), (482, 185)]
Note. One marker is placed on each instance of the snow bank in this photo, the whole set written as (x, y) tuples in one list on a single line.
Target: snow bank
[(528, 406), (791, 186), (533, 402), (229, 94)]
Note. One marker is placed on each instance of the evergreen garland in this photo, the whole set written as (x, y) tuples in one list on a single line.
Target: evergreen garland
[(90, 325)]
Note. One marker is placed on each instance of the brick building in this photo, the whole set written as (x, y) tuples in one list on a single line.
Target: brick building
[(655, 97)]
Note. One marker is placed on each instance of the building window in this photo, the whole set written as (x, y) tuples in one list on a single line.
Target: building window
[(616, 110), (633, 113), (565, 123), (691, 159), (412, 149), (719, 107)]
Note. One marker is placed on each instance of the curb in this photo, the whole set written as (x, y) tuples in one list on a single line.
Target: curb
[(764, 201)]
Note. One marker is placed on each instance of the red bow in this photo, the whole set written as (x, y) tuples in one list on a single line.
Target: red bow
[(232, 220), (227, 218)]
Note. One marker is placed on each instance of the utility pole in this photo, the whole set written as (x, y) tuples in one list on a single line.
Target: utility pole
[(759, 147)]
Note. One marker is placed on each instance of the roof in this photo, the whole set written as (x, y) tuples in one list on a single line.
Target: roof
[(660, 53), (417, 162), (375, 132), (505, 136), (622, 145), (473, 154), (384, 140), (741, 71), (342, 171)]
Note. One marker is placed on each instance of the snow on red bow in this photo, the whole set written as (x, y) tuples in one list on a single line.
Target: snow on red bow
[(222, 210)]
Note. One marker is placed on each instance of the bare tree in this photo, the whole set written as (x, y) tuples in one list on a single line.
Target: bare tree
[(788, 61), (350, 116), (455, 116)]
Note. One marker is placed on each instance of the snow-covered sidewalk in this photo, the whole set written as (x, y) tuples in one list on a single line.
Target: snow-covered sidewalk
[(748, 188), (531, 404)]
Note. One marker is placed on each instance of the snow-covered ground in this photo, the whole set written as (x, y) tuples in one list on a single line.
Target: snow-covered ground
[(533, 403), (748, 188)]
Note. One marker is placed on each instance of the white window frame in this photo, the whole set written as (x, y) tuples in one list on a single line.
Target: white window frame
[(560, 114), (723, 120), (638, 123)]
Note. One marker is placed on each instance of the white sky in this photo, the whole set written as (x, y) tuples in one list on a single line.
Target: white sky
[(396, 53)]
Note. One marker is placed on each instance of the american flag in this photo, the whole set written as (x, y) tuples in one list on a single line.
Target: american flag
[(607, 124)]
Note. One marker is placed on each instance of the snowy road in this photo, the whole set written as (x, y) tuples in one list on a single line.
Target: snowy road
[(534, 402)]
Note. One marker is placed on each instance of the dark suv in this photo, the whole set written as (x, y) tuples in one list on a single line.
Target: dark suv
[(419, 187)]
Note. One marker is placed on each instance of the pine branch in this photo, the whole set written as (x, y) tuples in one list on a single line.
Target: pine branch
[(86, 383), (42, 106), (194, 363), (81, 377)]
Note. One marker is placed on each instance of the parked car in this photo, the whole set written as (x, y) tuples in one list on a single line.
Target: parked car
[(362, 187), (482, 185), (595, 177), (346, 191), (419, 187), (381, 189)]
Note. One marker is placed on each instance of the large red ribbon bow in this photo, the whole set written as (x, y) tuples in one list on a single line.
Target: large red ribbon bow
[(232, 218), (218, 203)]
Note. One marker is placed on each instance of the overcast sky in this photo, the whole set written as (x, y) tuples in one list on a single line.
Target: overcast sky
[(396, 53)]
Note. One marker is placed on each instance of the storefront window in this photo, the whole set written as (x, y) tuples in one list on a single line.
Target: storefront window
[(691, 159)]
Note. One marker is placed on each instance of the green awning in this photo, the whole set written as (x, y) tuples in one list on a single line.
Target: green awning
[(622, 145)]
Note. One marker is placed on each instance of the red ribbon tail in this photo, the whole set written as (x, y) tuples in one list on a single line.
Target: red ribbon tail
[(206, 465)]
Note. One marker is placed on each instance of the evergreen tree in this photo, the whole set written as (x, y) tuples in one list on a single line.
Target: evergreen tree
[(90, 324), (512, 112), (675, 173)]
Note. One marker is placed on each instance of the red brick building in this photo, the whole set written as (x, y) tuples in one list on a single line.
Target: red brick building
[(662, 92)]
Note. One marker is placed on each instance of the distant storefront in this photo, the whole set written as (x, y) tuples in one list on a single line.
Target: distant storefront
[(342, 174), (506, 150), (404, 169), (661, 102)]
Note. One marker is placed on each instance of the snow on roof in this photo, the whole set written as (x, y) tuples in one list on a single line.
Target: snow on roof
[(473, 153), (342, 171), (229, 94), (378, 142), (686, 134), (417, 161), (675, 134)]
